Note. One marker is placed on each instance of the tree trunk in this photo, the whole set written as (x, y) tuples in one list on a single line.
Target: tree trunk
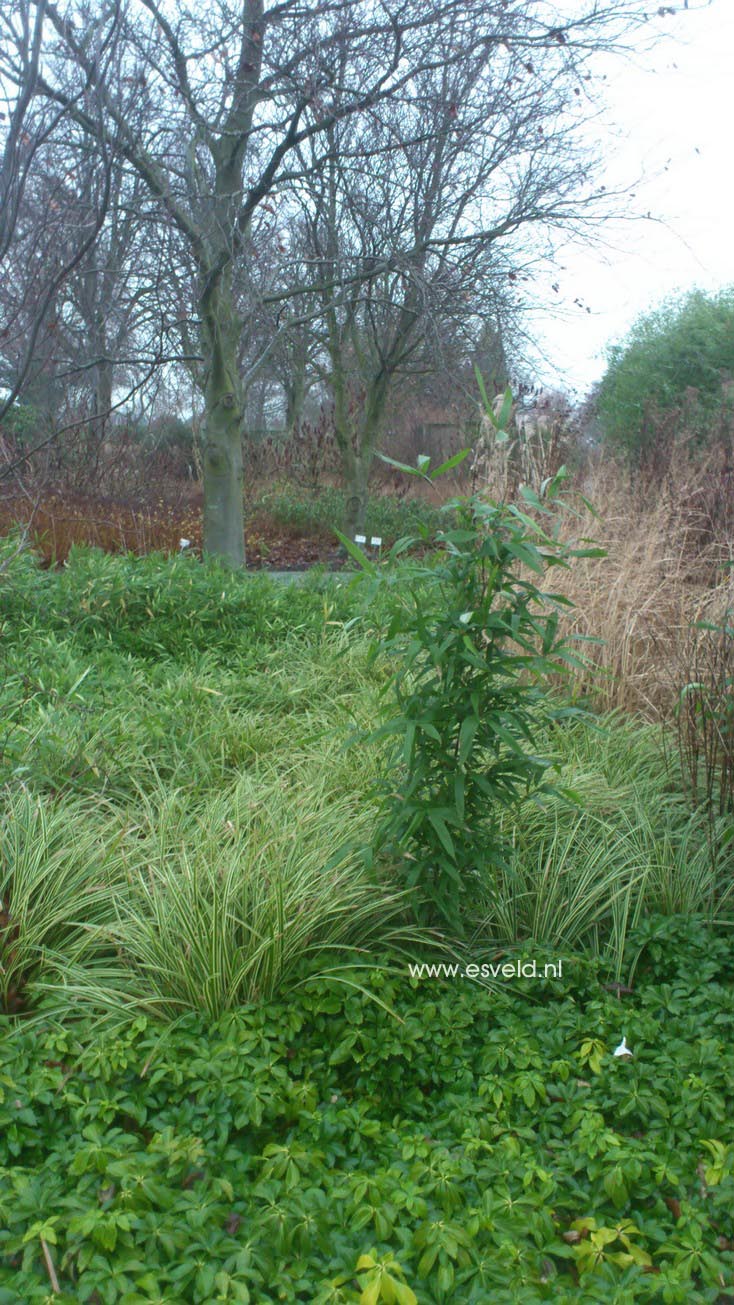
[(295, 398), (224, 523), (96, 461), (357, 443), (356, 478), (102, 394)]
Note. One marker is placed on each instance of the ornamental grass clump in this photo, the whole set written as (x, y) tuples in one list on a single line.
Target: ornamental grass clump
[(245, 893), (59, 865)]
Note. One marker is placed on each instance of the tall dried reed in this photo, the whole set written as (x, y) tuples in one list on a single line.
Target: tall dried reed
[(669, 545)]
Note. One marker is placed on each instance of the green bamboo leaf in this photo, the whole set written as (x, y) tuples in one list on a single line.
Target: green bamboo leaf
[(400, 466), (439, 824), (451, 463), (482, 391), (505, 410), (356, 553), (467, 733), (530, 496)]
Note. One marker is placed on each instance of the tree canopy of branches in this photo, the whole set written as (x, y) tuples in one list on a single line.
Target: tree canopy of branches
[(415, 219), (417, 136)]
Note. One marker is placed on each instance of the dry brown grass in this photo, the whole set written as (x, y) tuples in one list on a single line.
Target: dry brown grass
[(57, 522), (667, 546), (668, 532)]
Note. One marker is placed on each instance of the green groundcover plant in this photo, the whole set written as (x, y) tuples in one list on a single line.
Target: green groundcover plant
[(452, 1144), (174, 777), (166, 821), (319, 510)]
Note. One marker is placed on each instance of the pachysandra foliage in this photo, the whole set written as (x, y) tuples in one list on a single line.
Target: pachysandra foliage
[(487, 1146)]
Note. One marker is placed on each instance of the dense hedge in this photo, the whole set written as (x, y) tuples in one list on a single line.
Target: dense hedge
[(679, 356)]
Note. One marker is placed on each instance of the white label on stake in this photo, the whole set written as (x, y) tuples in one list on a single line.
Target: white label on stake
[(376, 541), (360, 539)]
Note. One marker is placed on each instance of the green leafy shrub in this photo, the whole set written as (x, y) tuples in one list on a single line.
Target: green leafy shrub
[(476, 642), (662, 947), (387, 516), (21, 422), (686, 345)]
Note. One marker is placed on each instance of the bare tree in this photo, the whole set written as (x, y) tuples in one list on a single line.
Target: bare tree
[(98, 302), (106, 297), (40, 149), (213, 107), (425, 237)]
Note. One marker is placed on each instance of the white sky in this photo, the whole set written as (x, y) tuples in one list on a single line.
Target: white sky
[(674, 108)]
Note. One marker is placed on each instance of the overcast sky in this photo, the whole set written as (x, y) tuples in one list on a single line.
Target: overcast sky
[(674, 115)]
